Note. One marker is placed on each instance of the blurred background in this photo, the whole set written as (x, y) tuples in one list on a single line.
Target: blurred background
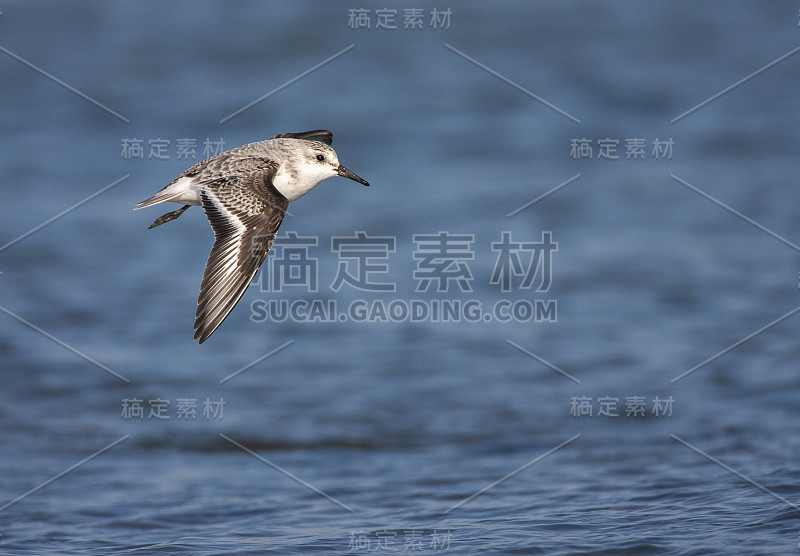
[(650, 406)]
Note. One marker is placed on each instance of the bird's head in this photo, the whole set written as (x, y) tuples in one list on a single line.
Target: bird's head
[(320, 160), (305, 164)]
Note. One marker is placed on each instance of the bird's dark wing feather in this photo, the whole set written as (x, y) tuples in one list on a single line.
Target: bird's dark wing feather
[(321, 135), (245, 211)]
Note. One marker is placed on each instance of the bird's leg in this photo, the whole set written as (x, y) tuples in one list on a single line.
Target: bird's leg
[(169, 216)]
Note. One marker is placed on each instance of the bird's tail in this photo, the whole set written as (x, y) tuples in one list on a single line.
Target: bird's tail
[(159, 197)]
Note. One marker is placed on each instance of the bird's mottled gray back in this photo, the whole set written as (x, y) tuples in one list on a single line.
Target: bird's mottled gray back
[(254, 157), (248, 188)]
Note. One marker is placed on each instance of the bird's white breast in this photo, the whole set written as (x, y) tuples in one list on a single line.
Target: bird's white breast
[(294, 185)]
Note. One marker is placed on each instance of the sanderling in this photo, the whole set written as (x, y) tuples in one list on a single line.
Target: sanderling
[(244, 193)]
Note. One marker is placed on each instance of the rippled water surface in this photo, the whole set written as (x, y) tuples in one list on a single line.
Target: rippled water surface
[(639, 395)]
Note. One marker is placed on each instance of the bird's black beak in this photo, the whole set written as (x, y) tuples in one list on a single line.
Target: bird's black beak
[(345, 173)]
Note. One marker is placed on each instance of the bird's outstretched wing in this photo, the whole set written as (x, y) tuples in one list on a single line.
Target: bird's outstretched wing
[(321, 135), (244, 210)]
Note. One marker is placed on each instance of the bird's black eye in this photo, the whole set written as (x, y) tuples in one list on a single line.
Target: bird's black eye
[(320, 158)]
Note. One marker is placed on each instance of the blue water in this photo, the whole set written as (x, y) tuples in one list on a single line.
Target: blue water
[(364, 434)]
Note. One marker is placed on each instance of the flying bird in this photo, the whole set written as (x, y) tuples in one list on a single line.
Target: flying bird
[(245, 192)]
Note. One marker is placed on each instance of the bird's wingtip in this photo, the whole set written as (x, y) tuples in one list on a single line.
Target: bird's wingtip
[(321, 135)]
